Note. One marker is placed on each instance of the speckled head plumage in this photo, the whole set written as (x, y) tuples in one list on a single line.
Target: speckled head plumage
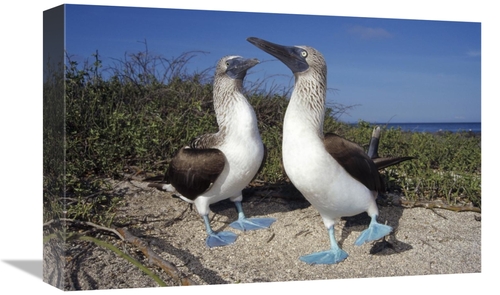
[(230, 71), (299, 58), (234, 66), (310, 70)]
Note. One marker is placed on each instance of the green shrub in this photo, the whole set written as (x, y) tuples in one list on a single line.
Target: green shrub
[(142, 114)]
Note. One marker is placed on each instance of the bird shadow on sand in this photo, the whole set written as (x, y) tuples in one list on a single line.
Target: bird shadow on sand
[(264, 200), (189, 260)]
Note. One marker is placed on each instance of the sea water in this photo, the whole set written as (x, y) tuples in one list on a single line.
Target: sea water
[(433, 127)]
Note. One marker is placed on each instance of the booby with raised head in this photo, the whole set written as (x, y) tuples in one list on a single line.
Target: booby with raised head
[(220, 165), (335, 175)]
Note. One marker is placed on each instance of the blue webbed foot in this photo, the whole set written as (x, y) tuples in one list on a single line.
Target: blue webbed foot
[(220, 239), (374, 232), (244, 224), (331, 256)]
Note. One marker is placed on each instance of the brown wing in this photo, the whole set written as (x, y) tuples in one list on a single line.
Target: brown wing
[(354, 160), (193, 171)]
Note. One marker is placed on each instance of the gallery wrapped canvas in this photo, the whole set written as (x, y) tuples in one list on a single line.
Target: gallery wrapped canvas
[(197, 147)]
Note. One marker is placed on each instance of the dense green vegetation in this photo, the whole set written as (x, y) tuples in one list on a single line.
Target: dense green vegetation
[(150, 106)]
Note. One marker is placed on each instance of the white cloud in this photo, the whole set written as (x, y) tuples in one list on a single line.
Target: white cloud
[(369, 33), (474, 53)]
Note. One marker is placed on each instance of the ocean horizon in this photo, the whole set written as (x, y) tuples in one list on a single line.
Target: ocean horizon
[(474, 127)]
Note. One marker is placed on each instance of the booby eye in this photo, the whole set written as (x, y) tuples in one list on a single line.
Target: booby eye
[(304, 53), (227, 64)]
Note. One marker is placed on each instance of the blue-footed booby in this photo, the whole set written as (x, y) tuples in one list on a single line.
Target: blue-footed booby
[(220, 165), (335, 175)]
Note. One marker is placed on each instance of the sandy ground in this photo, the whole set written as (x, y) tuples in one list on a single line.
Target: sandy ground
[(424, 242)]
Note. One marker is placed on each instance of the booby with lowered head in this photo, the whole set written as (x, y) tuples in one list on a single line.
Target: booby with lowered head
[(335, 175), (220, 165)]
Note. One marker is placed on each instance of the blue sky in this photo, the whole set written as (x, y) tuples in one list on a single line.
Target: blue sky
[(392, 70)]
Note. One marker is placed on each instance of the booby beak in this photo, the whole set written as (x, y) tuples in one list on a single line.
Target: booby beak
[(292, 56), (237, 67)]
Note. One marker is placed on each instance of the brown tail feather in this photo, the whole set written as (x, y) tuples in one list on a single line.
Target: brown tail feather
[(385, 162)]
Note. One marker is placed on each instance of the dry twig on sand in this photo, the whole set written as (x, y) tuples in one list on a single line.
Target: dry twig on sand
[(128, 237)]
